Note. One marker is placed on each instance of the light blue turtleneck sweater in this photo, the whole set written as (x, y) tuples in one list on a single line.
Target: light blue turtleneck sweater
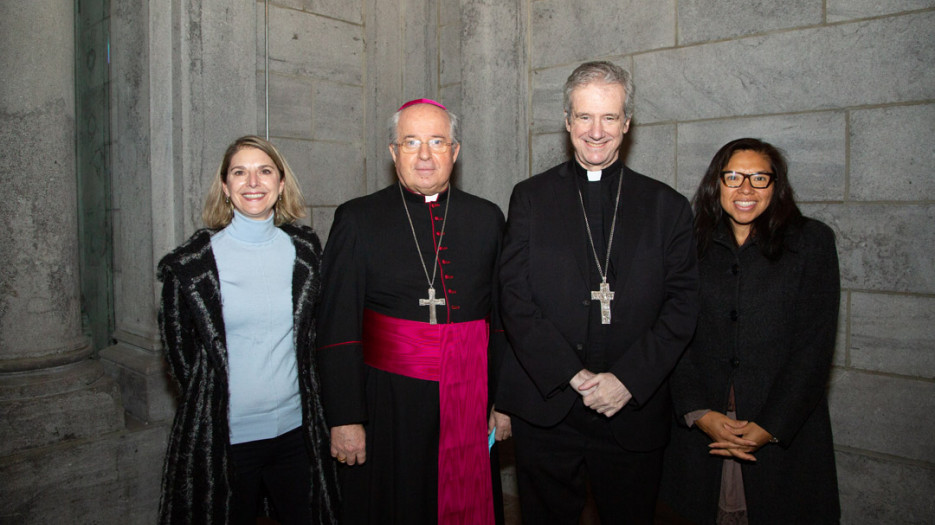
[(255, 260)]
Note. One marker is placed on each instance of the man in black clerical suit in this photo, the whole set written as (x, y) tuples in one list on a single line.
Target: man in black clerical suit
[(598, 293), (407, 329)]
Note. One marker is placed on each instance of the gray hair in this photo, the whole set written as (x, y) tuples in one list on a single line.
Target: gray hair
[(454, 131), (601, 71)]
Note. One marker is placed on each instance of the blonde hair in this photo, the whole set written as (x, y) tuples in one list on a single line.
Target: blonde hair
[(218, 211)]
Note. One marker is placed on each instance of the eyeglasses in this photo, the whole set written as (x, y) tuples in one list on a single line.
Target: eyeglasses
[(734, 179), (413, 145)]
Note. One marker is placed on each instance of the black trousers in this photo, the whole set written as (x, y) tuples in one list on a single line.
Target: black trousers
[(555, 464), (281, 466)]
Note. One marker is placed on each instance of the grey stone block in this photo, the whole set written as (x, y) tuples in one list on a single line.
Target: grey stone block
[(449, 11), (650, 150), (56, 405), (146, 389), (450, 96), (840, 358), (329, 173), (883, 414), (290, 106), (338, 112), (564, 32), (311, 46), (114, 478), (449, 69), (548, 150), (809, 69), (546, 111), (322, 218), (882, 247), (875, 490), (349, 10), (701, 20), (840, 10), (893, 333), (891, 153), (814, 143)]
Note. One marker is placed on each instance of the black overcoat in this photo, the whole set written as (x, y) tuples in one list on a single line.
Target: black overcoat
[(546, 298), (768, 328), (198, 472)]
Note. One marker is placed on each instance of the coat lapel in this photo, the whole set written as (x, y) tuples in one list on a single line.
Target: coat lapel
[(569, 228), (628, 230)]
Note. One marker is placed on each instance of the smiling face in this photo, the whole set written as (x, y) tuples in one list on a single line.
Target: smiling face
[(597, 124), (745, 203), (424, 171), (253, 183)]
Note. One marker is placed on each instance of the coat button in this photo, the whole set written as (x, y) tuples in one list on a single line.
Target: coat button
[(735, 269), (586, 302), (733, 315), (579, 346), (735, 362)]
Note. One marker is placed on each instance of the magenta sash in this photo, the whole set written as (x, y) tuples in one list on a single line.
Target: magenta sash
[(455, 355)]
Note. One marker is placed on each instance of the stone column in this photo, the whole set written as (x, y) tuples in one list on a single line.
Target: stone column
[(183, 87), (495, 129), (50, 391)]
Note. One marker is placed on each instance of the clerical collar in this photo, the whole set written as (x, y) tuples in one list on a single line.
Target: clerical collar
[(594, 176), (252, 231), (416, 197)]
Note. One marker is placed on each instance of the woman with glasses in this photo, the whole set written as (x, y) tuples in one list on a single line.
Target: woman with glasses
[(752, 441), (237, 322)]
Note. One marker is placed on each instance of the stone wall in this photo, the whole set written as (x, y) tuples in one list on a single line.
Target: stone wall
[(846, 87)]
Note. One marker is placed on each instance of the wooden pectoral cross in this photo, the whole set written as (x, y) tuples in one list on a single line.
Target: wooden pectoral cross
[(605, 296), (432, 302)]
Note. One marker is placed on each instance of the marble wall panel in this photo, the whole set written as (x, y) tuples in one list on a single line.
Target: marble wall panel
[(791, 71), (840, 10), (549, 149), (883, 414), (814, 143), (892, 153), (565, 32), (311, 46), (874, 490), (893, 333), (701, 20), (650, 150), (882, 247)]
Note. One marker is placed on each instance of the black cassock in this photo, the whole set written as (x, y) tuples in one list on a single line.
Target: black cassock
[(370, 262)]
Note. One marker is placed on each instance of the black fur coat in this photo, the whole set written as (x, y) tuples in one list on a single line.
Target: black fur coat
[(198, 472)]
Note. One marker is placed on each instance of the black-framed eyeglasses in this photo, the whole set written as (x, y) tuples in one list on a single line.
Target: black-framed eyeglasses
[(437, 145), (734, 179)]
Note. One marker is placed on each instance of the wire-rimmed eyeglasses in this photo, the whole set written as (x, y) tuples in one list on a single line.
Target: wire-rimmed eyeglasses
[(437, 145)]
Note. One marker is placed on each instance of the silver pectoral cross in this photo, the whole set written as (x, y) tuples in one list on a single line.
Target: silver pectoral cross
[(605, 296), (432, 302)]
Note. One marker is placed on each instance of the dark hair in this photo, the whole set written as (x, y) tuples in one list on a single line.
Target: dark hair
[(771, 226)]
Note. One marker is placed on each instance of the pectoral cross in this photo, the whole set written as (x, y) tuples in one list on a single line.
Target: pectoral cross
[(605, 296), (432, 302)]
